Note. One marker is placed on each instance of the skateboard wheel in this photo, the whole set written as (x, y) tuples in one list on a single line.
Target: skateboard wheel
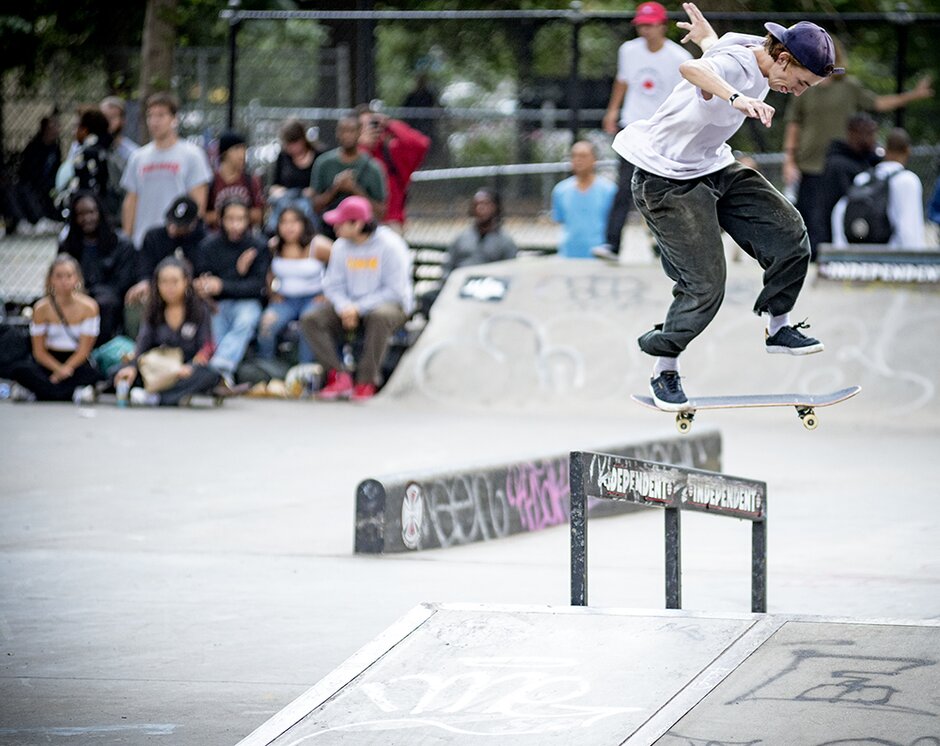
[(808, 417), (683, 423)]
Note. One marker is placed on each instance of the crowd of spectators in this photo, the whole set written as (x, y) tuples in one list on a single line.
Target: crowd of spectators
[(172, 269), (161, 250)]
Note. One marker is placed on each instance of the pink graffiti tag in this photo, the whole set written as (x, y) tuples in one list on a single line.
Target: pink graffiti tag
[(539, 492)]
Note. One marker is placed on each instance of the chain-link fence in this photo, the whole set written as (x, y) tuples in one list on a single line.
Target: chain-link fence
[(504, 116)]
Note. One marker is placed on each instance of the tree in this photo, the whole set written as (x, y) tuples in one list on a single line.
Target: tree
[(159, 40)]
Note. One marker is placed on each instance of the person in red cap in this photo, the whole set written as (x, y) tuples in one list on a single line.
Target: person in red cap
[(689, 187), (368, 289), (647, 71)]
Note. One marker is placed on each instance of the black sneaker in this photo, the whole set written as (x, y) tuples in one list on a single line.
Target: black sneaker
[(789, 340), (667, 391)]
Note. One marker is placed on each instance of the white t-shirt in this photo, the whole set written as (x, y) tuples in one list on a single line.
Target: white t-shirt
[(687, 136), (158, 176), (905, 208), (650, 77)]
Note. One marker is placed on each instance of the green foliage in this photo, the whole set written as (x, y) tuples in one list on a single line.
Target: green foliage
[(278, 62)]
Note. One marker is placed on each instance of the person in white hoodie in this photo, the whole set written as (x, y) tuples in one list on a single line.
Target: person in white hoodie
[(905, 197), (368, 288), (689, 187)]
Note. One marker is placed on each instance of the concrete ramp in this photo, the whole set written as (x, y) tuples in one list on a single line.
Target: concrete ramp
[(461, 674), (562, 333)]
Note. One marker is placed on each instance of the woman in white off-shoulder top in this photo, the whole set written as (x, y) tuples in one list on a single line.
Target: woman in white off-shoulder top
[(63, 330)]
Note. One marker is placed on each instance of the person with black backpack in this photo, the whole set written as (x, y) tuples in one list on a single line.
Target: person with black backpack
[(884, 205)]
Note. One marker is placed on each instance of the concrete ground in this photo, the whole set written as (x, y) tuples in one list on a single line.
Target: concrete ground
[(177, 577)]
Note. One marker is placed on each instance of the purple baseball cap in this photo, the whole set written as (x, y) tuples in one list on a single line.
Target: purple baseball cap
[(810, 45)]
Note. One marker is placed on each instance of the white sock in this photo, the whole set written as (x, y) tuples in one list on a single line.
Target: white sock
[(665, 363), (776, 323)]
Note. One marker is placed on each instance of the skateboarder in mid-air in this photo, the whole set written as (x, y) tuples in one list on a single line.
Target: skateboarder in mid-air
[(689, 187)]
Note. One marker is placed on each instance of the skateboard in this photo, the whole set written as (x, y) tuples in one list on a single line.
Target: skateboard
[(805, 404)]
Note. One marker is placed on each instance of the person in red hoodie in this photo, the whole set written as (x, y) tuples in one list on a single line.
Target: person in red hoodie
[(400, 149)]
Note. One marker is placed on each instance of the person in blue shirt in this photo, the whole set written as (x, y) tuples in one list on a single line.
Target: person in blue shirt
[(581, 203)]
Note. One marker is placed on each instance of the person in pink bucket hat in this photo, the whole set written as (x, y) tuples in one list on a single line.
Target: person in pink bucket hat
[(369, 292)]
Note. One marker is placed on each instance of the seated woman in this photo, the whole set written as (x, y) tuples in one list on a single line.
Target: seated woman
[(63, 330), (290, 181), (295, 281), (108, 262), (176, 317)]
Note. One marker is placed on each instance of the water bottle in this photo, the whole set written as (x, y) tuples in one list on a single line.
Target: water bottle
[(123, 390)]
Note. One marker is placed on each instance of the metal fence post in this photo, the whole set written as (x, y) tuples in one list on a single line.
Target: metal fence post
[(234, 25), (759, 566), (673, 522), (574, 74), (578, 529)]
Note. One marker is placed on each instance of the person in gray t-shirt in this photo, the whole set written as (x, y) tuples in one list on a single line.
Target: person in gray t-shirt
[(161, 171)]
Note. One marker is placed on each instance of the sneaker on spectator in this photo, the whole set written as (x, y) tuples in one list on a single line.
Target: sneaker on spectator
[(142, 398), (339, 385), (605, 252), (667, 391), (225, 389), (21, 393), (789, 340), (363, 391), (84, 395)]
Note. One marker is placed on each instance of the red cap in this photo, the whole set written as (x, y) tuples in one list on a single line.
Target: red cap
[(351, 208), (650, 14)]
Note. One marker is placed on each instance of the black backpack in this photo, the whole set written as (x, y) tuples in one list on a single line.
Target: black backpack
[(866, 210)]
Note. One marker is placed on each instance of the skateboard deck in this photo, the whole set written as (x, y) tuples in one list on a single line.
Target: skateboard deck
[(805, 404)]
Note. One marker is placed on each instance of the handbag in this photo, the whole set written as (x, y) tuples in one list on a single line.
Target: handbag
[(113, 354), (160, 368)]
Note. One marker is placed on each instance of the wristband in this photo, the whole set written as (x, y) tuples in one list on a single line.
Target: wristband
[(732, 97)]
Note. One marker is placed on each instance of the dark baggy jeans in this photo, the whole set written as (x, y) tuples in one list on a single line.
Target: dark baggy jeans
[(687, 218), (620, 208)]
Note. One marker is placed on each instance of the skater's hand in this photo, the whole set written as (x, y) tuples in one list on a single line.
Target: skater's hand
[(791, 173), (185, 371), (699, 30), (755, 109)]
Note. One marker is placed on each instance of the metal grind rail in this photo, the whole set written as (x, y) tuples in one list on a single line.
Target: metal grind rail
[(674, 489)]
